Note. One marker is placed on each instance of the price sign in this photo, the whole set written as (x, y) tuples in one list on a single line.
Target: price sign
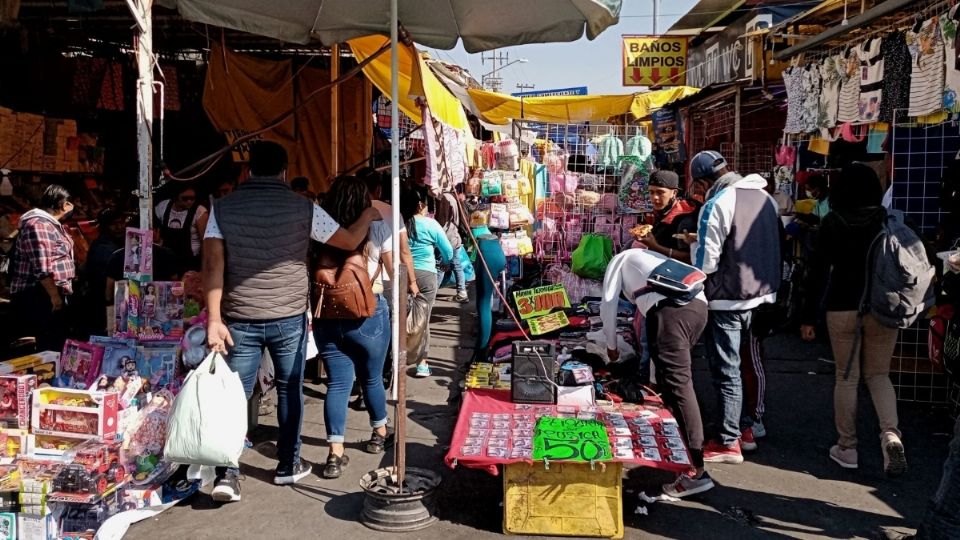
[(548, 323), (540, 301), (570, 439)]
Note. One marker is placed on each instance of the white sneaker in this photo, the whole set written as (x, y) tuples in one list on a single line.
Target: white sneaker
[(894, 457), (685, 486), (845, 457)]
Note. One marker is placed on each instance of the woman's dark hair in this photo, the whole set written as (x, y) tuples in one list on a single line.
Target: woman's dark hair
[(53, 198), (817, 181), (410, 200), (300, 183), (858, 187), (347, 199)]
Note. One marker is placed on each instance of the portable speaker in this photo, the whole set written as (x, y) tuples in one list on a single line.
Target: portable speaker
[(534, 372)]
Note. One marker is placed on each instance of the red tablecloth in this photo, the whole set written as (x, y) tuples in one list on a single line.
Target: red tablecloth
[(652, 432)]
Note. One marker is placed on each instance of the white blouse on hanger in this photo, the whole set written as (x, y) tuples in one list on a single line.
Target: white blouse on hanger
[(927, 66), (829, 93), (871, 79)]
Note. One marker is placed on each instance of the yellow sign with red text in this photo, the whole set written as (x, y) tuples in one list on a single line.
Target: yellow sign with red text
[(654, 61)]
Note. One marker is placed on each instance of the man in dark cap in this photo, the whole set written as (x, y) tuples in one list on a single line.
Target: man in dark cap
[(671, 215)]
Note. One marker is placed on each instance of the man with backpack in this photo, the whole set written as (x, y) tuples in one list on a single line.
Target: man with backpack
[(879, 280), (738, 247)]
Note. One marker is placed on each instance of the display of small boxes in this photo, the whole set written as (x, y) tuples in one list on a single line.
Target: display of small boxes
[(15, 391), (45, 365), (13, 442), (75, 414)]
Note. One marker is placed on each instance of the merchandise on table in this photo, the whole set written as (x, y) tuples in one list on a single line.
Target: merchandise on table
[(45, 365), (15, 398), (71, 413), (154, 310), (95, 469), (79, 364), (138, 254)]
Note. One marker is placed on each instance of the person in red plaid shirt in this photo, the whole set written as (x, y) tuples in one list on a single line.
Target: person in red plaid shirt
[(43, 269)]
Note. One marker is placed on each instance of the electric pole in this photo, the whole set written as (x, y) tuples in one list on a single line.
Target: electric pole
[(524, 87), (491, 81)]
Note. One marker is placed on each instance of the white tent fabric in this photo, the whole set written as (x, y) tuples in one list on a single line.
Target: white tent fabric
[(482, 24)]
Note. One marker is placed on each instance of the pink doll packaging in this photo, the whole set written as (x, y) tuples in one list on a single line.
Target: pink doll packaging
[(79, 364), (138, 254)]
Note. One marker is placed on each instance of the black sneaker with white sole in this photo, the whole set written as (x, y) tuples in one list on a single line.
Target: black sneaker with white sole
[(227, 487), (291, 474)]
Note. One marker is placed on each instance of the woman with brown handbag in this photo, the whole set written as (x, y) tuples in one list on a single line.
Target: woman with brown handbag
[(351, 321)]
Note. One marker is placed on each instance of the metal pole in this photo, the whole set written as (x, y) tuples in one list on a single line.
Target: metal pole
[(656, 15), (736, 130), (400, 424), (144, 46), (335, 111)]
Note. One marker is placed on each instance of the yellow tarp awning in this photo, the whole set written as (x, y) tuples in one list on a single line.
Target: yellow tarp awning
[(415, 80), (501, 108)]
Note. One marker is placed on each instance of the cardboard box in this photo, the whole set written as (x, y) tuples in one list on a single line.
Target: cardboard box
[(15, 395), (37, 527), (75, 414), (45, 365), (50, 447)]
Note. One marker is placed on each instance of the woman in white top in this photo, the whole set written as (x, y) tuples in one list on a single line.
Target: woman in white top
[(356, 348)]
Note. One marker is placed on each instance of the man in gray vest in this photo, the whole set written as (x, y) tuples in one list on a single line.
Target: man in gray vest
[(255, 278), (738, 247)]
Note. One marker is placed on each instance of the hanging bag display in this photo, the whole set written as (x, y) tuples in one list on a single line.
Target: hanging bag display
[(592, 256), (786, 155), (208, 421)]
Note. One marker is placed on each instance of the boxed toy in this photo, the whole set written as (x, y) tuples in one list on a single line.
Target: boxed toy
[(157, 364), (50, 447), (121, 307), (30, 527), (138, 254), (74, 413), (13, 442), (15, 393), (134, 498), (95, 470), (79, 364), (154, 310), (45, 365), (119, 355), (8, 526)]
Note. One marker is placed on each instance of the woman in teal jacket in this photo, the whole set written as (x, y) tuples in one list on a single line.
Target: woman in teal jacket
[(426, 240)]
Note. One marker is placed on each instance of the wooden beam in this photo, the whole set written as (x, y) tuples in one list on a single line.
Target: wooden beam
[(859, 21)]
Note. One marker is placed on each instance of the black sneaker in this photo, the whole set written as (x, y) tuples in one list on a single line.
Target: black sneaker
[(291, 474), (227, 487)]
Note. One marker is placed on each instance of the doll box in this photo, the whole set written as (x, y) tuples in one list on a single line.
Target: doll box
[(67, 413), (15, 393), (32, 527)]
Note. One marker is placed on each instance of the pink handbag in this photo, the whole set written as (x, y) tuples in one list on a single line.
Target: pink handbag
[(572, 233), (786, 155)]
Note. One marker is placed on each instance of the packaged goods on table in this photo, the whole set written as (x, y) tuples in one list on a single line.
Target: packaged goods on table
[(45, 365), (75, 414), (15, 393), (94, 471)]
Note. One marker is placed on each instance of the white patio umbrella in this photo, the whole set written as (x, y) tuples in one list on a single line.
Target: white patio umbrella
[(481, 24)]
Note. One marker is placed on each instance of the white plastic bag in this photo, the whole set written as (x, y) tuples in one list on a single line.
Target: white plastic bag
[(208, 421)]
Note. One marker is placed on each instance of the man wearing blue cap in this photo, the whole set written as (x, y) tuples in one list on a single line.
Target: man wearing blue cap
[(738, 246)]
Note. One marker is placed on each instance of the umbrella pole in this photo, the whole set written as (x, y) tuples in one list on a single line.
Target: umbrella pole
[(399, 371)]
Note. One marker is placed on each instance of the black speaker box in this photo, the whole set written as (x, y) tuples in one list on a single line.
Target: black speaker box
[(534, 372)]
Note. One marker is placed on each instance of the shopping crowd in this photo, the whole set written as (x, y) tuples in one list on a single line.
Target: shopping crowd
[(271, 254), (711, 267)]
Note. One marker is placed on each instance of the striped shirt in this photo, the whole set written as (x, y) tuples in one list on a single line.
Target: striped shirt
[(848, 65), (927, 66)]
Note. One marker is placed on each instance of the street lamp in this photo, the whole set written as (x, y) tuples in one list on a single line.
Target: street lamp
[(492, 80)]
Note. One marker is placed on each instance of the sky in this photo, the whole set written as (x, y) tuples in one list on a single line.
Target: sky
[(594, 64)]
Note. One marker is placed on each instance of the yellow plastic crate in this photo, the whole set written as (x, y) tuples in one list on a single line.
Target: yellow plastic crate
[(568, 499)]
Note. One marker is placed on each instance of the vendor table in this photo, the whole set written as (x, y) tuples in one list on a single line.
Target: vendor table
[(645, 435)]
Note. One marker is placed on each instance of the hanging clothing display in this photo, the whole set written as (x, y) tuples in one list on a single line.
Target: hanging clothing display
[(810, 113), (926, 61), (638, 146), (611, 148), (445, 154), (848, 66), (871, 79), (829, 104), (951, 64), (896, 76), (793, 80)]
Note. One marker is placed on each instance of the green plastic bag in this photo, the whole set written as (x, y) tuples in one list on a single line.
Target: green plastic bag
[(592, 256)]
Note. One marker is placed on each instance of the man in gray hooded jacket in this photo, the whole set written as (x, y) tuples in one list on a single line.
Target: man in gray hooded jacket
[(738, 247)]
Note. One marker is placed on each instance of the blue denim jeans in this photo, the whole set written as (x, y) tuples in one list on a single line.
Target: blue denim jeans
[(286, 340), (942, 519), (725, 330), (457, 266), (354, 348)]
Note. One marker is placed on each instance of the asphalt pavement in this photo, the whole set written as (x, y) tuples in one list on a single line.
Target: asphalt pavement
[(789, 488)]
